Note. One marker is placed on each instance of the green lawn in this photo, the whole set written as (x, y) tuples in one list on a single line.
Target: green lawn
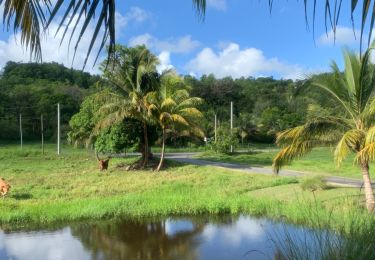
[(49, 188), (320, 161)]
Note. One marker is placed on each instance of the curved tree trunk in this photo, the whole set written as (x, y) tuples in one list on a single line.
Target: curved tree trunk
[(370, 199), (162, 152), (146, 150)]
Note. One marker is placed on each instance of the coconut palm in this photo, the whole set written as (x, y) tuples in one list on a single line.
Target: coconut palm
[(30, 15), (352, 129), (132, 74), (173, 109)]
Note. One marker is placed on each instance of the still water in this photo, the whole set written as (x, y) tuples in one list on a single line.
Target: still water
[(230, 237)]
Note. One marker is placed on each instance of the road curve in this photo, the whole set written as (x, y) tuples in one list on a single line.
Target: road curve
[(188, 159)]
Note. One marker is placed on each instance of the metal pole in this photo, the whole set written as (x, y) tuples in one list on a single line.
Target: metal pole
[(42, 130), (58, 129), (231, 123), (21, 131), (215, 127)]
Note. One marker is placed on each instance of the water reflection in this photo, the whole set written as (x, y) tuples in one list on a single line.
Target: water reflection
[(182, 238)]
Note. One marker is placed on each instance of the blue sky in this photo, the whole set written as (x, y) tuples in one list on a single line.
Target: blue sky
[(237, 38)]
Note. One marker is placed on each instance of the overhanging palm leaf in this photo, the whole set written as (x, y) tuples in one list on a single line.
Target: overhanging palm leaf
[(354, 91)]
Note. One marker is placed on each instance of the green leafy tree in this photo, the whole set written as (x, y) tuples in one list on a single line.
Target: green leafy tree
[(352, 129), (174, 110), (225, 139), (132, 75)]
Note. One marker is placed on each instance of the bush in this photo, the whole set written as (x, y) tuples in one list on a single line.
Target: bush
[(224, 140), (314, 183)]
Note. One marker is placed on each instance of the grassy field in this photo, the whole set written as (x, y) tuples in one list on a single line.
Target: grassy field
[(320, 161), (49, 188)]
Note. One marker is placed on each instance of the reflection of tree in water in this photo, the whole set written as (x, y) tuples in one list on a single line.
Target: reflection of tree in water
[(137, 240)]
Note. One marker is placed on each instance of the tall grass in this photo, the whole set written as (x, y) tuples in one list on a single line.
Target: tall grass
[(353, 238)]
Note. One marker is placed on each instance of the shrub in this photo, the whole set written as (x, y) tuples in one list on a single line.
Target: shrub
[(314, 183), (224, 140)]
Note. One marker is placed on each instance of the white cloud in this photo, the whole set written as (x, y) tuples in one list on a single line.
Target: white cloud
[(236, 62), (217, 4), (344, 36), (135, 14), (165, 61), (11, 49), (183, 44)]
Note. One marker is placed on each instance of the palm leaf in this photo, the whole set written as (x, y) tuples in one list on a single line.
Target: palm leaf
[(352, 141)]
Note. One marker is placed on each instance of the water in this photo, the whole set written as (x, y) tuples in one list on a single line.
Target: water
[(173, 238)]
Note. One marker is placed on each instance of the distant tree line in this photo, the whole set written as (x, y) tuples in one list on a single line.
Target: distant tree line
[(33, 89), (262, 106)]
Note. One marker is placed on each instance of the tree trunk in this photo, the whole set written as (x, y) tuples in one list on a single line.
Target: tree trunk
[(162, 152), (145, 152), (370, 199)]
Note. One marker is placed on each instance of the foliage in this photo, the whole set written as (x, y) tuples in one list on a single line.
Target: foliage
[(314, 183), (351, 129), (174, 110), (33, 90), (119, 137), (225, 139)]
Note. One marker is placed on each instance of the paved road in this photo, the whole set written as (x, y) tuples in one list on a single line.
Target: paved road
[(188, 158)]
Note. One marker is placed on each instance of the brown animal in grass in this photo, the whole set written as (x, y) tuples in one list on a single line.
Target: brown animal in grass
[(103, 163), (4, 187)]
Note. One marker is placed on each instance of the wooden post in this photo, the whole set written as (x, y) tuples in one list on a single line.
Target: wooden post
[(21, 131), (42, 131), (231, 123), (58, 129), (215, 127)]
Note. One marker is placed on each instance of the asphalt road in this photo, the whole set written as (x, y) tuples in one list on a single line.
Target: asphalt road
[(188, 158)]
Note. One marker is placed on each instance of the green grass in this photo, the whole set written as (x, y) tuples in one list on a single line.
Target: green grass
[(319, 162), (49, 188)]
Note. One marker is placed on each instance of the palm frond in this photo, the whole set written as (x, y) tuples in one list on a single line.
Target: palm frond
[(352, 141), (367, 154), (291, 152), (27, 16), (370, 136)]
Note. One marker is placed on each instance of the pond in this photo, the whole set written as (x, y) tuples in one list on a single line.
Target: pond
[(240, 237)]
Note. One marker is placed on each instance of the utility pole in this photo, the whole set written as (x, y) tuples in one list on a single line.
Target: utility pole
[(231, 123), (215, 127), (42, 130), (58, 129), (21, 130)]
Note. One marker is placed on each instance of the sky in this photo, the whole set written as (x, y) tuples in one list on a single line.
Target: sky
[(238, 38)]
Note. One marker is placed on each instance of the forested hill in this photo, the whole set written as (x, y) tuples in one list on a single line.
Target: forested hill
[(27, 73), (34, 89)]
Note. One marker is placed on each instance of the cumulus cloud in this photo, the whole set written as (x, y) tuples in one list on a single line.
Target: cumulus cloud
[(344, 36), (135, 14), (217, 4), (184, 44), (12, 50), (165, 61), (233, 61)]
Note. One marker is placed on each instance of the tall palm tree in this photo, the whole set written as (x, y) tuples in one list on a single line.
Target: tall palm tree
[(30, 15), (352, 129), (173, 109), (132, 73)]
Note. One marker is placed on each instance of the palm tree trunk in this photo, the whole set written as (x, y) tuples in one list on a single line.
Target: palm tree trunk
[(145, 139), (370, 199), (162, 152)]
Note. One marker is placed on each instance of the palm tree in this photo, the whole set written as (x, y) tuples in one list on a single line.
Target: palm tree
[(352, 129), (29, 15), (132, 73), (173, 109)]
